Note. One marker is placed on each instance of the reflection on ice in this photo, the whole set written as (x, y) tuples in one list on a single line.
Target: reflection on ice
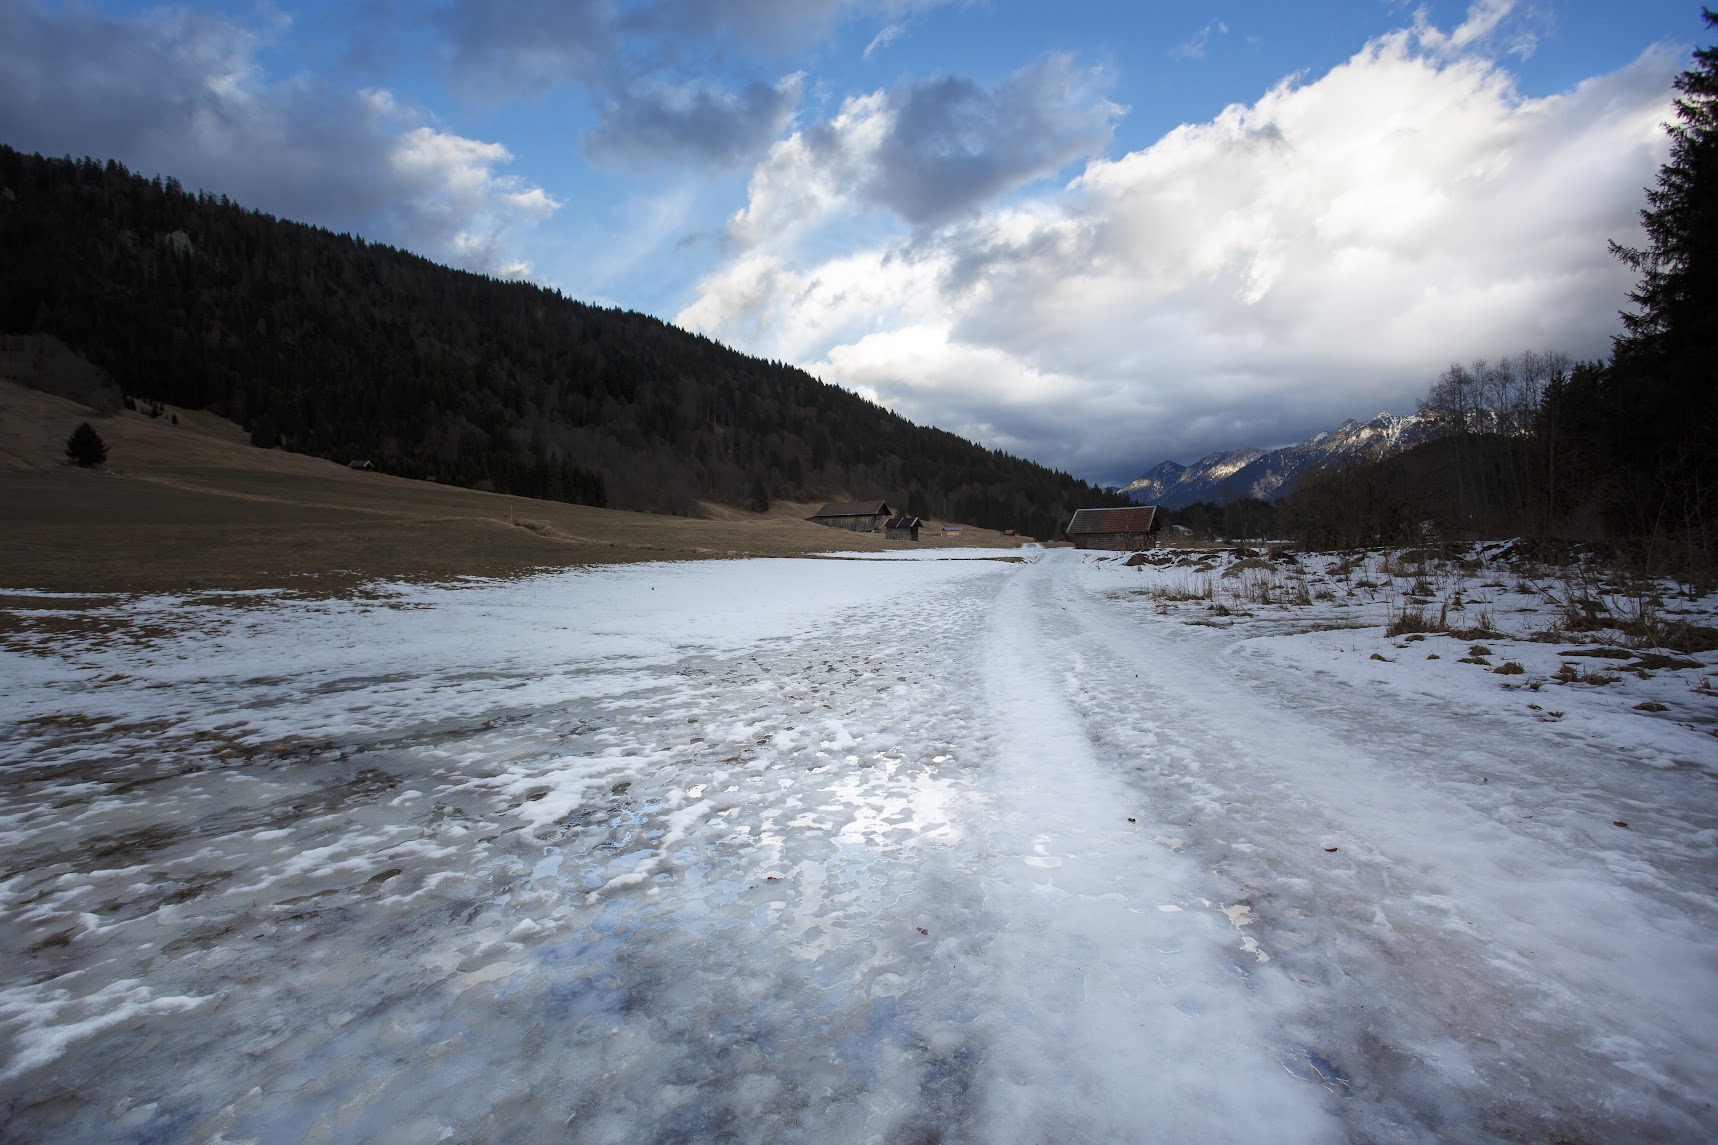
[(635, 906)]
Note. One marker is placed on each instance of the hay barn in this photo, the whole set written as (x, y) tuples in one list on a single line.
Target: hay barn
[(1118, 530), (902, 528), (854, 516)]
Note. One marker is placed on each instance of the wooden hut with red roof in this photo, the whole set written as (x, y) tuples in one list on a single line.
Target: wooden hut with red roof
[(1118, 530)]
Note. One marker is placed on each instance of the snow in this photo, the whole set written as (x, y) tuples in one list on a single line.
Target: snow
[(926, 845)]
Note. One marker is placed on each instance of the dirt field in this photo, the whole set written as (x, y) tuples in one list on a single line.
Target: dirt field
[(194, 506)]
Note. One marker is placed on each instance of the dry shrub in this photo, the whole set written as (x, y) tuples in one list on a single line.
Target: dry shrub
[(1653, 660), (1484, 627), (1412, 618), (1676, 635), (1410, 562), (1195, 588)]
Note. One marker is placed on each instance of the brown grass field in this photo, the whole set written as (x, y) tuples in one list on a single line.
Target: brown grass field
[(196, 506)]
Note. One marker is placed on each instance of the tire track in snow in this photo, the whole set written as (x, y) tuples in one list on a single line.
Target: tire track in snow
[(870, 879), (1478, 981), (1127, 1011)]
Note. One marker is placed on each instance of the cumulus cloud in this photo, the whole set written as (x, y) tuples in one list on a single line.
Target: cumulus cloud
[(769, 27), (674, 81), (668, 124), (506, 48), (928, 152), (1316, 255), (1500, 22), (180, 94), (953, 143)]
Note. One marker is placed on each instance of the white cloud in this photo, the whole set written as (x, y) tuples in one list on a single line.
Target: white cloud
[(889, 34), (811, 174), (452, 191), (1318, 254), (181, 94), (928, 152), (675, 82), (1486, 21), (1196, 47)]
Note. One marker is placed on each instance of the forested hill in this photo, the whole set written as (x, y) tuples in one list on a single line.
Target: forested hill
[(329, 345)]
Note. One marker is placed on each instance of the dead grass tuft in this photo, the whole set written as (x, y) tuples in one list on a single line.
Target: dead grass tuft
[(1194, 588), (1413, 618)]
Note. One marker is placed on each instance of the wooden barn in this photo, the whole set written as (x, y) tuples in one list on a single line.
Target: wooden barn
[(855, 516), (1119, 530), (902, 528)]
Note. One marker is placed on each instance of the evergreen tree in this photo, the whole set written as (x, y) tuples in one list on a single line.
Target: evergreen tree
[(1660, 405), (85, 446), (1678, 290), (1665, 362)]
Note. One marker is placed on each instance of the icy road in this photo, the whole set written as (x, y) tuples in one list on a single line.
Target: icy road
[(958, 850)]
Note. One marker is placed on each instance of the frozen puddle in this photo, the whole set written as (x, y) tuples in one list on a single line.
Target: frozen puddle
[(755, 851)]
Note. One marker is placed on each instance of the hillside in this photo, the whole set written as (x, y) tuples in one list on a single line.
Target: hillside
[(185, 502), (342, 349), (1269, 474)]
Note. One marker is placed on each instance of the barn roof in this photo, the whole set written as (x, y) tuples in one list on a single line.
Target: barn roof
[(1142, 519), (854, 509), (902, 522)]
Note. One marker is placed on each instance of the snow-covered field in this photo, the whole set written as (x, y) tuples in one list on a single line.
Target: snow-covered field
[(896, 850)]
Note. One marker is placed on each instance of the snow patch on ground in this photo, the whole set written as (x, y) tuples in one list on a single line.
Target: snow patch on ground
[(857, 850)]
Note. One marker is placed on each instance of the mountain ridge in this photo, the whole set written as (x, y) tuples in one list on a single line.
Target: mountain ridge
[(335, 347), (1267, 474)]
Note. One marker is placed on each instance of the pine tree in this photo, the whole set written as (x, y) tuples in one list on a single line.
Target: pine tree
[(1665, 358), (85, 446), (1662, 389), (1678, 294)]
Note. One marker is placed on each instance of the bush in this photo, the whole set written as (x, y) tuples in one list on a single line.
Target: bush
[(85, 446), (1412, 619)]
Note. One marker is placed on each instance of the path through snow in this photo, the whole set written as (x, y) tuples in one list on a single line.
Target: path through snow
[(835, 850)]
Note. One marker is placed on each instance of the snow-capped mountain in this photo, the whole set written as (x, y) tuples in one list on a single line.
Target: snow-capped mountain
[(1268, 474)]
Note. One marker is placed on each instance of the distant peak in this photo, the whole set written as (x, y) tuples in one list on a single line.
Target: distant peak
[(1227, 474)]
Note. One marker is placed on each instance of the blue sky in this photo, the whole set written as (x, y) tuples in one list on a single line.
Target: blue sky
[(1099, 235)]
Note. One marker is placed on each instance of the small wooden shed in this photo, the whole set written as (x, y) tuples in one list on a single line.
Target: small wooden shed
[(1118, 530), (902, 528), (855, 516)]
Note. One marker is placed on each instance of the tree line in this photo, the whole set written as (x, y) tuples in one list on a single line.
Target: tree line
[(329, 345)]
